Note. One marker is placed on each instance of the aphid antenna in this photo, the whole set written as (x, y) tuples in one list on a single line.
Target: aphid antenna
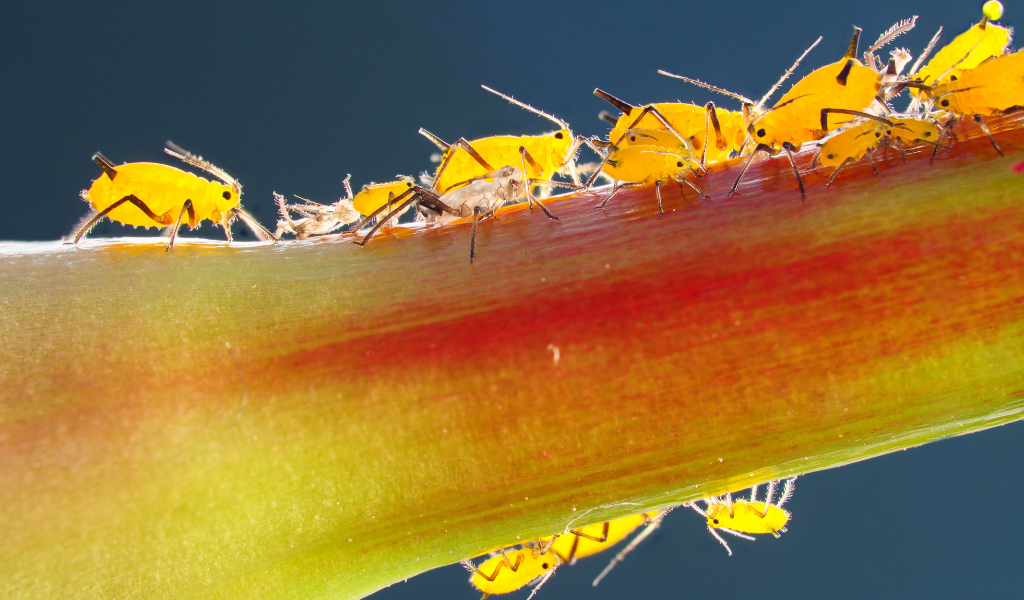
[(543, 580), (632, 545), (708, 86), (787, 492), (957, 63), (700, 511), (553, 118), (786, 75), (197, 161), (348, 186), (927, 50)]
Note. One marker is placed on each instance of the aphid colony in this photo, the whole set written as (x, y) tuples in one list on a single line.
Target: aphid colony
[(844, 110), (511, 568)]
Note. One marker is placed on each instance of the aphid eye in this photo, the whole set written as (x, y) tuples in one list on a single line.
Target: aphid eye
[(945, 103), (927, 134), (632, 138), (227, 195), (952, 77), (878, 134), (716, 521), (831, 156), (760, 132), (407, 184), (544, 566), (679, 164), (558, 135)]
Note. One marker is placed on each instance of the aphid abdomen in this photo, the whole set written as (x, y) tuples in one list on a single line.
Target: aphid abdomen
[(162, 188)]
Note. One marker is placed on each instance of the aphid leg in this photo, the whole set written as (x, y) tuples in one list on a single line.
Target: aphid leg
[(825, 112), (366, 220), (738, 534), (759, 148), (836, 172), (728, 502), (571, 163), (651, 110), (524, 155), (391, 214), (262, 233), (981, 123), (505, 562), (938, 142), (789, 152), (463, 144), (472, 237), (657, 192), (753, 494), (615, 190), (177, 224), (771, 492), (720, 540), (871, 158), (787, 492), (600, 167), (602, 539), (632, 546), (693, 186), (903, 153), (129, 198), (699, 510)]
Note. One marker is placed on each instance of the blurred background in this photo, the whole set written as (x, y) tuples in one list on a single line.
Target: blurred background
[(291, 97)]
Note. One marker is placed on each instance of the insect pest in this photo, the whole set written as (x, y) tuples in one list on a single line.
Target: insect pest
[(509, 571), (539, 157), (316, 219), (157, 195), (744, 517), (480, 196)]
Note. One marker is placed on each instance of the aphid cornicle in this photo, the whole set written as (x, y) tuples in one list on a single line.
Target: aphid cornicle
[(156, 195), (539, 157), (747, 516), (508, 572)]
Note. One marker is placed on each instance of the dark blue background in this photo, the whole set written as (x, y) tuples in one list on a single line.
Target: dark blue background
[(292, 97)]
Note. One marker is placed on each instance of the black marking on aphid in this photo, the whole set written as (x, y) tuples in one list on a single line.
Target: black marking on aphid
[(226, 195), (841, 78), (105, 164)]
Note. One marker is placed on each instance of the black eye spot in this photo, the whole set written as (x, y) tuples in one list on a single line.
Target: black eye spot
[(558, 135), (679, 164), (407, 184), (716, 521), (761, 132), (945, 103), (227, 195), (831, 156), (952, 77), (544, 566), (878, 134), (927, 134), (632, 138)]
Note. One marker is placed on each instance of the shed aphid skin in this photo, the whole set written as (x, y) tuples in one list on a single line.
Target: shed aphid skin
[(971, 48), (633, 166), (317, 219), (509, 571), (539, 157), (994, 87), (479, 196), (744, 517), (157, 195)]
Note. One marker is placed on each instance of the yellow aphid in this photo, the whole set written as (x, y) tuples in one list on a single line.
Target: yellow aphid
[(585, 541), (744, 517), (796, 117), (156, 195), (539, 157), (850, 145), (510, 571), (967, 50), (748, 517), (682, 123), (633, 166), (375, 196), (988, 89)]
